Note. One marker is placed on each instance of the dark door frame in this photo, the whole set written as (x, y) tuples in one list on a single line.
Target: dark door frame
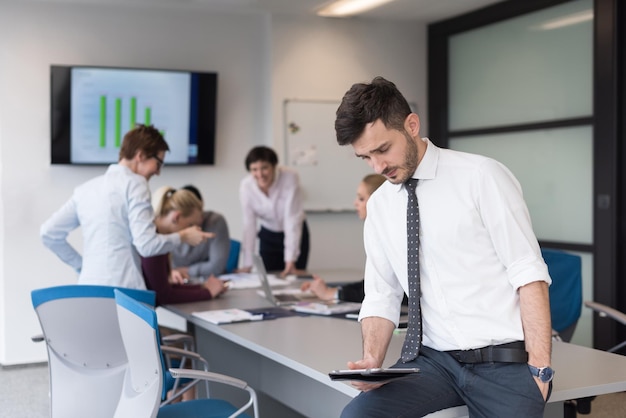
[(609, 103)]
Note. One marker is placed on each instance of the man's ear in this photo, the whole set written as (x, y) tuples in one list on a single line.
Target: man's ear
[(140, 156), (412, 124)]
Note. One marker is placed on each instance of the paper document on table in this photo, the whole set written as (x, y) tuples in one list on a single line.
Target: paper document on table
[(227, 316), (291, 294), (327, 308), (251, 280)]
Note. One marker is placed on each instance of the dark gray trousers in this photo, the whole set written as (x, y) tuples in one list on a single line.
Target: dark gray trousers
[(490, 390)]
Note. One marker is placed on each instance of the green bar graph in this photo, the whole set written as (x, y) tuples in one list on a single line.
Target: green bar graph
[(103, 119), (118, 122), (117, 114), (148, 116), (133, 112)]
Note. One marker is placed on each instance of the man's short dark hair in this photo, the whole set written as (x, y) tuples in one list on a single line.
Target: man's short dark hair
[(144, 138), (261, 153), (366, 103)]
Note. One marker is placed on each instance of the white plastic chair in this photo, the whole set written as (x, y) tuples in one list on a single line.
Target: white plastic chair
[(143, 384), (86, 357)]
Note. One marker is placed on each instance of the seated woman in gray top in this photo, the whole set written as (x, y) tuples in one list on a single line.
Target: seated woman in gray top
[(209, 257)]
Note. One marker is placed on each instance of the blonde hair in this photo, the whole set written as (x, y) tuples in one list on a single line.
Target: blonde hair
[(373, 182), (167, 199)]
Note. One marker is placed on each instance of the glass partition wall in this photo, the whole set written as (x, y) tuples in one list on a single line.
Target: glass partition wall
[(518, 86)]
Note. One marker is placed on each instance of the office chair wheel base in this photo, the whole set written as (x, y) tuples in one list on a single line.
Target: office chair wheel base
[(569, 409), (583, 405)]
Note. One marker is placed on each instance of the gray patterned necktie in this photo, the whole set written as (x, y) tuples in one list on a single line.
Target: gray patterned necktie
[(413, 341)]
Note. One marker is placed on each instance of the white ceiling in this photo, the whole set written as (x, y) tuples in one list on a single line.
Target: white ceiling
[(417, 10)]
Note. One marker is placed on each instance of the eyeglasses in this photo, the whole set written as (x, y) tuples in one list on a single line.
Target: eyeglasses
[(160, 162)]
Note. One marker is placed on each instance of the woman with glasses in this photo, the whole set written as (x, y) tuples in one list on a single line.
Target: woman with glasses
[(116, 217)]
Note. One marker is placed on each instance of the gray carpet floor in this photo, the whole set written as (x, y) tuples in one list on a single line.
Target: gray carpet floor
[(24, 394), (24, 391)]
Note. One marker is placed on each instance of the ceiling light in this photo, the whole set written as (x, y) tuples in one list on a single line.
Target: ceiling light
[(568, 20), (345, 8)]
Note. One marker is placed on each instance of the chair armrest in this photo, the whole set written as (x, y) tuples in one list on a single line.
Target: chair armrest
[(197, 362), (185, 339), (180, 352), (170, 351), (604, 310), (198, 375), (210, 376)]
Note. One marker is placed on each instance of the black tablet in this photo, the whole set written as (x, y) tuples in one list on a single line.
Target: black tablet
[(372, 375)]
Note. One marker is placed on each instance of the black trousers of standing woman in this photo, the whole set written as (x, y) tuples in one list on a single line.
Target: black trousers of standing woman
[(272, 249)]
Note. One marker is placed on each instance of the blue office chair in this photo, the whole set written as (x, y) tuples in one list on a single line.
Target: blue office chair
[(233, 256), (566, 294), (143, 385), (86, 357)]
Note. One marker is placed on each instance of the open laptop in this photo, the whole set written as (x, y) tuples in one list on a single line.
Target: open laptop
[(305, 302), (278, 298)]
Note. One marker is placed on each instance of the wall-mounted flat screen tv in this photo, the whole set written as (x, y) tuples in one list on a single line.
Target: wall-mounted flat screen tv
[(93, 107)]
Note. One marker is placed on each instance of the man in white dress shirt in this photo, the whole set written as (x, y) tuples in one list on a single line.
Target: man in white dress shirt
[(116, 216), (485, 316)]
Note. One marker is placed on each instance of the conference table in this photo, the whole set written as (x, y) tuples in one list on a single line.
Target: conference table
[(287, 359)]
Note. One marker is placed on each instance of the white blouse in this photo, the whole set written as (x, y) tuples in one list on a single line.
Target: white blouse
[(117, 222)]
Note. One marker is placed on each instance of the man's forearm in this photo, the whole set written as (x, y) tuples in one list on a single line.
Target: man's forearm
[(377, 333), (535, 310)]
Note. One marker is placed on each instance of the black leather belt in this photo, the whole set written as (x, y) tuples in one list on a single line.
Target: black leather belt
[(514, 352)]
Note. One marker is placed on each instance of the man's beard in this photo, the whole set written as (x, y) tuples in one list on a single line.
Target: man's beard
[(410, 162)]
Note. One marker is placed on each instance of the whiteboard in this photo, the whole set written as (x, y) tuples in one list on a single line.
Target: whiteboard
[(329, 173)]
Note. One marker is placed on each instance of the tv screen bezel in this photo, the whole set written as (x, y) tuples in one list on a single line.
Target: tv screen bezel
[(60, 114)]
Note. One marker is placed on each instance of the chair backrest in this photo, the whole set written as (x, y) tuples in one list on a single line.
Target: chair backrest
[(565, 291), (86, 356), (143, 384), (233, 256)]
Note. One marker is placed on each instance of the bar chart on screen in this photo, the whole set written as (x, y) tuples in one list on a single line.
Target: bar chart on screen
[(106, 103)]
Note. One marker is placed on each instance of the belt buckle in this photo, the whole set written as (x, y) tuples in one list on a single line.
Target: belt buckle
[(478, 355), (468, 356), (458, 355)]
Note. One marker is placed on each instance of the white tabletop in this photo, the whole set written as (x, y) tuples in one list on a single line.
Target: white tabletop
[(315, 345)]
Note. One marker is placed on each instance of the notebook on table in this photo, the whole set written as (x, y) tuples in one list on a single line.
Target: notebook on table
[(327, 308)]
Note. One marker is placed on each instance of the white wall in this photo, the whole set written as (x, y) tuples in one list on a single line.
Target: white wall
[(260, 61), (319, 59)]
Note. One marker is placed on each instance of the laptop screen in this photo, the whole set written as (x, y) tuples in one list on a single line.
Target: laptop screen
[(265, 283)]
